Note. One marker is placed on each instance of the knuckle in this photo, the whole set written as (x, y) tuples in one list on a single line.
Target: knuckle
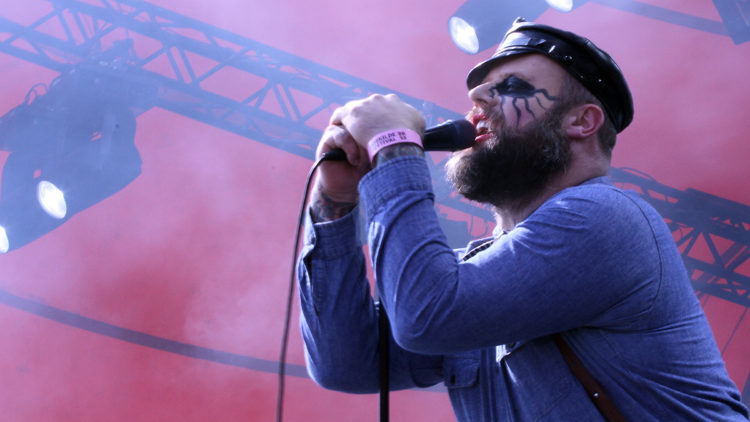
[(356, 109)]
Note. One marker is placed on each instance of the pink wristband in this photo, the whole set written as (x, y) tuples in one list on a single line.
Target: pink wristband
[(391, 137)]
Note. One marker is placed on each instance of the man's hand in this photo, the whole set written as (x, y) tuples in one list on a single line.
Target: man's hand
[(365, 118), (335, 192), (351, 128)]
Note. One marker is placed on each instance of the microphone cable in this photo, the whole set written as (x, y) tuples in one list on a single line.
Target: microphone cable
[(451, 135), (333, 155)]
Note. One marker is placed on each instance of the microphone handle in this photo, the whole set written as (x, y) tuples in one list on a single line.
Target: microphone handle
[(336, 154), (452, 135)]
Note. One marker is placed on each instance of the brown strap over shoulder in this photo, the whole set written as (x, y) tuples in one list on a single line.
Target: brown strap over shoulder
[(595, 391)]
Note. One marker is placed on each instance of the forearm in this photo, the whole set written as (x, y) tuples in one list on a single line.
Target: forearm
[(510, 291), (339, 320), (324, 207), (414, 264), (327, 207)]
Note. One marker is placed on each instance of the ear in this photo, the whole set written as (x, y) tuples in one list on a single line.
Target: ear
[(583, 121)]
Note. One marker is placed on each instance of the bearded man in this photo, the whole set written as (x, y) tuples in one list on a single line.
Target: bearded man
[(579, 274)]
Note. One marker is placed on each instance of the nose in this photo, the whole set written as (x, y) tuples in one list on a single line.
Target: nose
[(481, 95)]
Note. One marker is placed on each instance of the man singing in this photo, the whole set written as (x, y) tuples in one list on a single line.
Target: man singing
[(577, 270)]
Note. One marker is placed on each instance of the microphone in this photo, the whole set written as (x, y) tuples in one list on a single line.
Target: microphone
[(451, 135)]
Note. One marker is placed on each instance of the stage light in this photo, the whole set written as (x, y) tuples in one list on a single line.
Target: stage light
[(561, 5), (463, 35), (67, 184), (3, 240), (51, 199), (70, 148), (480, 24), (21, 217)]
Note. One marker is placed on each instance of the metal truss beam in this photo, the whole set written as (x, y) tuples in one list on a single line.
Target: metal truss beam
[(285, 101), (286, 106), (712, 234)]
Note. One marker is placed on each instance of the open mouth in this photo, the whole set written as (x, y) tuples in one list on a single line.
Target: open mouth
[(484, 129)]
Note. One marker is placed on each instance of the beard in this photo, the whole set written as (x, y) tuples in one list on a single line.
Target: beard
[(515, 165)]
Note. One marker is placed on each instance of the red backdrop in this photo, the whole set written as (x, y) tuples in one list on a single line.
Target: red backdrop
[(194, 254)]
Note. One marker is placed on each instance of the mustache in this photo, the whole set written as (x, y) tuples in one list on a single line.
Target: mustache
[(493, 117)]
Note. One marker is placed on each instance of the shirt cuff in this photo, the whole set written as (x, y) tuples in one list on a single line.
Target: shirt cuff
[(385, 182)]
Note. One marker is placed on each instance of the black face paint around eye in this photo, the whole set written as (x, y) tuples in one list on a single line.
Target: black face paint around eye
[(520, 91), (513, 86)]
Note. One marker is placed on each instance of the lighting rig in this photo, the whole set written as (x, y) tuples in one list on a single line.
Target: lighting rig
[(698, 220), (70, 147), (480, 24)]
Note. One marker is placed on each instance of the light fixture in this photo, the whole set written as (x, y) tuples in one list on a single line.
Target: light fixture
[(565, 6), (3, 240), (463, 35), (70, 148), (21, 218), (561, 5), (95, 170), (86, 175), (480, 24), (51, 199)]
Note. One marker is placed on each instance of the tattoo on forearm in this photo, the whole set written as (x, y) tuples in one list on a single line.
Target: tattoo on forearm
[(323, 208), (397, 150)]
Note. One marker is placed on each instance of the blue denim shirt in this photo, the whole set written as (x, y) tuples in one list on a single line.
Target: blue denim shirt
[(593, 262)]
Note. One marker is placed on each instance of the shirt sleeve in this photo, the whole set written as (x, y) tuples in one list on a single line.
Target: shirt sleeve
[(574, 261), (338, 317)]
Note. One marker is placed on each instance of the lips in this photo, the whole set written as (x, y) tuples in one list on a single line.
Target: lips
[(483, 137), (482, 124)]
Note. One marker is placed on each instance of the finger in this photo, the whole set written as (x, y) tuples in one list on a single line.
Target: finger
[(337, 116), (341, 112), (327, 143), (344, 140), (336, 137)]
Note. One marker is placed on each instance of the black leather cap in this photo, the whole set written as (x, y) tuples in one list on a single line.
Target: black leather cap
[(589, 64)]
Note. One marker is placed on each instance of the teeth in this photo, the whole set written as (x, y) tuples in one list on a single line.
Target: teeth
[(482, 127)]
